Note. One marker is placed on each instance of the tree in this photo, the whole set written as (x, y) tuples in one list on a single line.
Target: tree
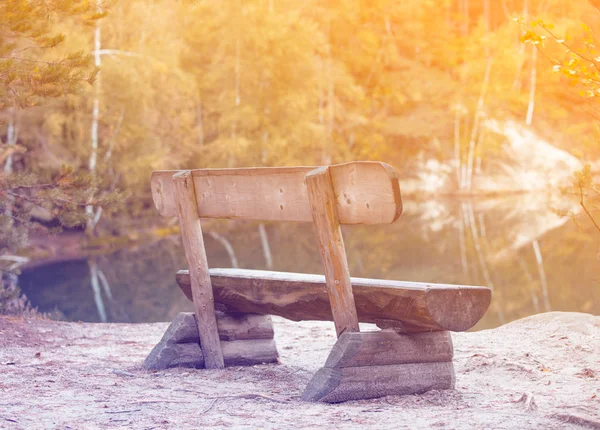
[(31, 73), (576, 57)]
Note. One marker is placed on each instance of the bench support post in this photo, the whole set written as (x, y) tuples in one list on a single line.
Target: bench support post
[(193, 245), (331, 246)]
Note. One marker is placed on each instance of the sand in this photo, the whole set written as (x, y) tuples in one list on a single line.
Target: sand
[(538, 372)]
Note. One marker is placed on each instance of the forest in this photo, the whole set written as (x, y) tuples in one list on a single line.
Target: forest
[(436, 160), (466, 99)]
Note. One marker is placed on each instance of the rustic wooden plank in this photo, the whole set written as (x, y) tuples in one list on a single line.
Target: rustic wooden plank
[(387, 347), (412, 306), (331, 247), (366, 193), (356, 383), (166, 355), (249, 352), (193, 245)]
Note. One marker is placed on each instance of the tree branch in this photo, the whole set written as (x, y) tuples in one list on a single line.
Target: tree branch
[(585, 209), (562, 42)]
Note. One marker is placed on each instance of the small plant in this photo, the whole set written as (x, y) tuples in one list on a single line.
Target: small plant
[(12, 302)]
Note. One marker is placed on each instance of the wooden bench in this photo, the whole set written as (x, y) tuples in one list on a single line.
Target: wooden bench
[(231, 325)]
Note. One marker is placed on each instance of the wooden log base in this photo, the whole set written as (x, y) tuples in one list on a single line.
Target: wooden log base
[(246, 340), (356, 383), (378, 348), (383, 363), (168, 355)]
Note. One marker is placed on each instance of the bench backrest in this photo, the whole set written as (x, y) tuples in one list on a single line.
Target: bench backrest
[(366, 193)]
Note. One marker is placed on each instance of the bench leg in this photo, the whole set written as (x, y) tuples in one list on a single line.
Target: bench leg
[(382, 363), (246, 340), (331, 247), (195, 254)]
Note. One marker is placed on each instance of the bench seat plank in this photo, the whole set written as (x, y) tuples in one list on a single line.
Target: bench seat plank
[(407, 306)]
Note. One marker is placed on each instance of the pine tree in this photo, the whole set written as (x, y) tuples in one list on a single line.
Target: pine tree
[(32, 72)]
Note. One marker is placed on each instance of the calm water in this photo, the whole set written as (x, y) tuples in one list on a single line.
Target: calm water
[(533, 260)]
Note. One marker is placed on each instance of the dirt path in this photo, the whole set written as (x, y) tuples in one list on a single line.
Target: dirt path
[(87, 376)]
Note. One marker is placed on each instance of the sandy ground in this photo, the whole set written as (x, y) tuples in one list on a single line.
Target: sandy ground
[(539, 372)]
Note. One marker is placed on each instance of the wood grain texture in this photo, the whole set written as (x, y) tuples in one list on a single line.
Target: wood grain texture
[(411, 306), (387, 347), (193, 245), (357, 383), (366, 193), (183, 329), (331, 247), (249, 352), (166, 355)]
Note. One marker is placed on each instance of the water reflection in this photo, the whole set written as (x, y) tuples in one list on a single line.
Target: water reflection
[(533, 260)]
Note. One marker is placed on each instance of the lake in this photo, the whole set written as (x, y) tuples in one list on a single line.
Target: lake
[(534, 260)]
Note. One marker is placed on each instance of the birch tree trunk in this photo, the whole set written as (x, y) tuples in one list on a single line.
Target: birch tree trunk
[(11, 140), (264, 240), (478, 249), (534, 298), (532, 86), (94, 279), (227, 245), (483, 264), (94, 216), (105, 284), (457, 158), (543, 281), (468, 183), (482, 228), (12, 133), (462, 242)]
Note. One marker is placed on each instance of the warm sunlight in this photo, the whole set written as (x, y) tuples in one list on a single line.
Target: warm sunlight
[(460, 145)]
